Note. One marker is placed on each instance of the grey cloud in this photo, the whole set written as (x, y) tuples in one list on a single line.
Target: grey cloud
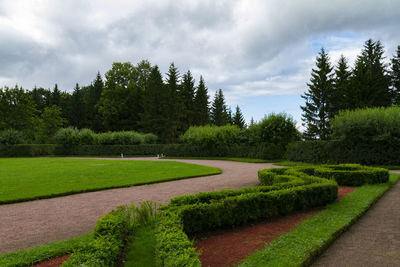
[(262, 48)]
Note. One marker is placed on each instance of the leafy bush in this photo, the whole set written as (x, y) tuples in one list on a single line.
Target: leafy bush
[(211, 135), (11, 137), (366, 125), (69, 137), (277, 129)]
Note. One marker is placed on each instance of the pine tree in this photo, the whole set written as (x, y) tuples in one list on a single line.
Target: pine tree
[(341, 87), (187, 97), (201, 104), (218, 109), (316, 110), (370, 81), (395, 77), (238, 119)]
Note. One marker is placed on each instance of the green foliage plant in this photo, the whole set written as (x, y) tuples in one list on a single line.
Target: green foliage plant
[(11, 137)]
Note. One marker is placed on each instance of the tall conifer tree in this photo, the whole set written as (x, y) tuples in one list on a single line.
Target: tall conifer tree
[(238, 118), (201, 103), (341, 87), (316, 109), (370, 80), (395, 76), (187, 97), (174, 103), (218, 109)]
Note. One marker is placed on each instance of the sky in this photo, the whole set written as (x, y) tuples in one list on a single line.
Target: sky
[(259, 52)]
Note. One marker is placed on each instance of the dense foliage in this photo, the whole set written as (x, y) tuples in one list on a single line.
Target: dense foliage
[(74, 137), (211, 135), (279, 129), (131, 98), (367, 125)]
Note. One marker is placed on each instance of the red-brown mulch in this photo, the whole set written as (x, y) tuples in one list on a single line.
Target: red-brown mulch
[(228, 247), (53, 262)]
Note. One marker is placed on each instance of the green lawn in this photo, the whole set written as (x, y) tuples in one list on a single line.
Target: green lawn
[(24, 179), (142, 249)]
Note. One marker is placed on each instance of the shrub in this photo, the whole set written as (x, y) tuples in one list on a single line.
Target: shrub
[(11, 137), (70, 137), (211, 135), (67, 136), (87, 137), (367, 125), (277, 129)]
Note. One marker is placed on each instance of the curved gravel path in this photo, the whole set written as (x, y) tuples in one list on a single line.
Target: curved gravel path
[(374, 240), (27, 224)]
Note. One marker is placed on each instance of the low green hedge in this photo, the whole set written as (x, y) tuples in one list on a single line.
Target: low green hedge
[(111, 235), (262, 151), (186, 215), (333, 152), (343, 174), (32, 150)]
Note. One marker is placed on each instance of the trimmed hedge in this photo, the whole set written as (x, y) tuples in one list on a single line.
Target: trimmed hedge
[(186, 215), (31, 150), (111, 235), (333, 152), (264, 151), (343, 174)]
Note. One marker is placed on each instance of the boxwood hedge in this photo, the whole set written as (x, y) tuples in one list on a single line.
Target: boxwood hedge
[(186, 215)]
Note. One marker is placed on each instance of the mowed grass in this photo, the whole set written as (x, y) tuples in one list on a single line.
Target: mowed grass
[(24, 179)]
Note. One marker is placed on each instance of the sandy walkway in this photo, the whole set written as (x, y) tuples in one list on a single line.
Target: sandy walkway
[(374, 240), (28, 224)]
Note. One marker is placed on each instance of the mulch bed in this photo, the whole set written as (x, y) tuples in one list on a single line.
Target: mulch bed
[(53, 262), (231, 246)]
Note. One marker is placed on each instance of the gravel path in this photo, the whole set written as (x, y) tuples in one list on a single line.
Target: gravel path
[(374, 240), (27, 224)]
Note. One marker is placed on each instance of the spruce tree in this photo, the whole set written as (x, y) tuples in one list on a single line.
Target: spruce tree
[(93, 97), (77, 109), (201, 105), (174, 104), (370, 81), (55, 96), (238, 118), (316, 110), (341, 87), (395, 77), (155, 118), (187, 97), (218, 109)]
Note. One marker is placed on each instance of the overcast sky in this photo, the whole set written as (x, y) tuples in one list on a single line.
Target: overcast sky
[(260, 53)]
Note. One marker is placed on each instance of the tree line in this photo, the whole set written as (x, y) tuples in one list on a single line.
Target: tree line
[(369, 83), (131, 97)]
